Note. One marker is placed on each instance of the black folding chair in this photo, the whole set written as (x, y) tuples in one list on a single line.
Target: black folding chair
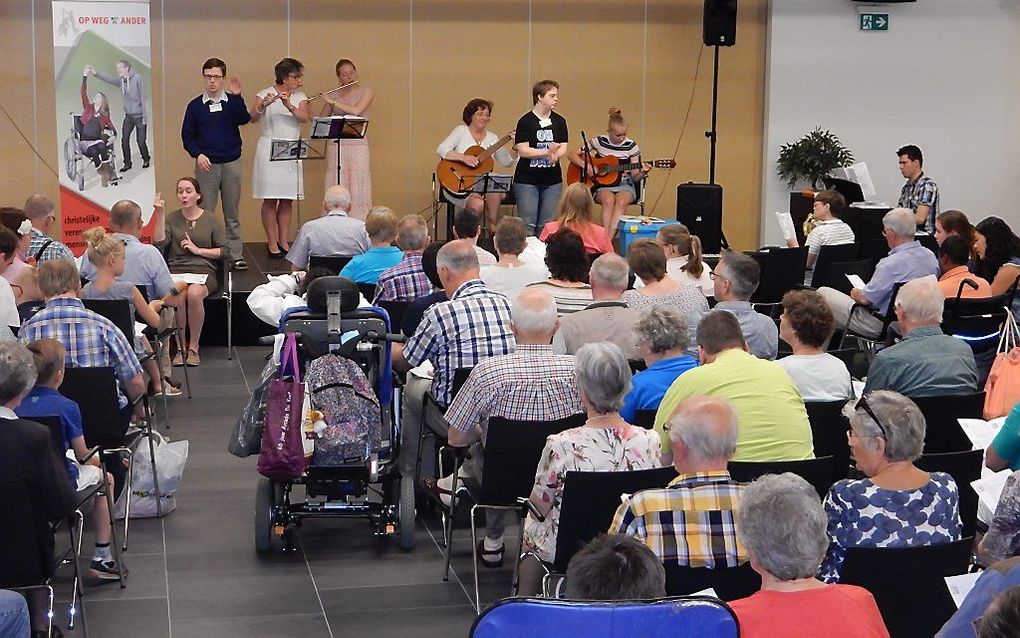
[(590, 500), (335, 263), (829, 434), (908, 583), (827, 255), (367, 291), (965, 468), (645, 418), (818, 472), (977, 321), (396, 311), (729, 583), (885, 319), (835, 276), (512, 452), (156, 338), (942, 428), (95, 392), (873, 249), (783, 271)]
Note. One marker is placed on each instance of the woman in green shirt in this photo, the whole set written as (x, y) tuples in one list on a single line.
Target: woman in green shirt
[(195, 242)]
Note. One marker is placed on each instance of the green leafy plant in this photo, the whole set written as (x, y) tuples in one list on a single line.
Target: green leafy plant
[(812, 157)]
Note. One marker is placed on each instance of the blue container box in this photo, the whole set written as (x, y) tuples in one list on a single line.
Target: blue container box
[(633, 227)]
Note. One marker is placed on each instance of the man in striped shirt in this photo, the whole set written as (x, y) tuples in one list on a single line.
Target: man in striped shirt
[(829, 229), (692, 521), (407, 280), (920, 194)]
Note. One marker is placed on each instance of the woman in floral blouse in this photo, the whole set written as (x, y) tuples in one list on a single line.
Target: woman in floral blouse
[(605, 443)]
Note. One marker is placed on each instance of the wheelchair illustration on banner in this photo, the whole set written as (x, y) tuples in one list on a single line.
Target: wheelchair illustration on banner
[(85, 148)]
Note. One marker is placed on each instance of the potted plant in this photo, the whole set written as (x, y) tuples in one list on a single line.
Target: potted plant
[(809, 159)]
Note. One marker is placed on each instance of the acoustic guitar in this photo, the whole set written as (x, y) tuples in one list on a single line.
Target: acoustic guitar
[(458, 177), (607, 171)]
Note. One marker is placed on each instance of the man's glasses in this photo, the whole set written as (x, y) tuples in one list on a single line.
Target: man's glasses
[(210, 76), (862, 404)]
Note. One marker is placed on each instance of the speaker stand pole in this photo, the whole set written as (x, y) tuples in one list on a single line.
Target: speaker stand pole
[(712, 135)]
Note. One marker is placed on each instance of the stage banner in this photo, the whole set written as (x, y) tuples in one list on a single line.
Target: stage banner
[(102, 81)]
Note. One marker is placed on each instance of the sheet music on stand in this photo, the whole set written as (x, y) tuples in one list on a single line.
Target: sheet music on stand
[(491, 183), (339, 127), (290, 150), (858, 174)]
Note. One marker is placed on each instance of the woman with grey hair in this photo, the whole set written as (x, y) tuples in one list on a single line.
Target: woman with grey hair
[(897, 505), (605, 443), (782, 525), (662, 337)]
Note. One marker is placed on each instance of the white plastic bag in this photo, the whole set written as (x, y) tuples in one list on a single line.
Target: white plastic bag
[(171, 458)]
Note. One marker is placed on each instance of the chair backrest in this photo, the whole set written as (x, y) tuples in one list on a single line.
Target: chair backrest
[(396, 310), (673, 617), (837, 271), (908, 582), (818, 472), (119, 311), (644, 418), (460, 375), (95, 392), (729, 583), (826, 256), (977, 321), (512, 452), (942, 429), (590, 500), (873, 249), (335, 263), (829, 434), (783, 271), (847, 356), (367, 291), (56, 429), (26, 553), (965, 468)]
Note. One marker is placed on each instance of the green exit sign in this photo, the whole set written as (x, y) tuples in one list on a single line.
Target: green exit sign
[(874, 21)]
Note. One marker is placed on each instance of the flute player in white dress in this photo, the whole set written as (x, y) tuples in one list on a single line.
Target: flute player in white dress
[(283, 109)]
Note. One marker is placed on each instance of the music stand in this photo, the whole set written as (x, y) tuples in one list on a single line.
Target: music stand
[(339, 127), (851, 191), (290, 151), (483, 185)]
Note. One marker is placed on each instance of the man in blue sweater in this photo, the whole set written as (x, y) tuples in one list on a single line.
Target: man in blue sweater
[(211, 135)]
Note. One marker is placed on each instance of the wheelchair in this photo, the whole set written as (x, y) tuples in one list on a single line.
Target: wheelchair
[(371, 489), (75, 160)]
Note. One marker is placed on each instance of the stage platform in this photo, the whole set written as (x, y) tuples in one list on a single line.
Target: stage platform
[(247, 327)]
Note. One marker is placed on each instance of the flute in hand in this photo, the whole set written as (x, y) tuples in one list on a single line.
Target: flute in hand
[(344, 86)]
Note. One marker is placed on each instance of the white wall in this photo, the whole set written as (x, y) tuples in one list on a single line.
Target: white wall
[(945, 76)]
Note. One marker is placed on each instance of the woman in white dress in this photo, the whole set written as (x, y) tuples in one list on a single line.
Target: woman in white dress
[(282, 109), (474, 132), (355, 171)]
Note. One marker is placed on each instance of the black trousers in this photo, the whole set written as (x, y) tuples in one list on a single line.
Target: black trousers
[(137, 124)]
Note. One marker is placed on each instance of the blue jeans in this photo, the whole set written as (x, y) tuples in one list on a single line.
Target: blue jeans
[(13, 615), (536, 205)]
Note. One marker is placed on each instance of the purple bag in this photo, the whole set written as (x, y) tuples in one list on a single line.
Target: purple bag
[(282, 455)]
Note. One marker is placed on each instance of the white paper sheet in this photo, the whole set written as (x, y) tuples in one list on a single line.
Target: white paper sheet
[(188, 278), (855, 280), (705, 592), (960, 586), (989, 489), (424, 371), (981, 432), (786, 225)]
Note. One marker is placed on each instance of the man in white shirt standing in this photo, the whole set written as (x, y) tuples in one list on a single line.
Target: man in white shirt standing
[(335, 233)]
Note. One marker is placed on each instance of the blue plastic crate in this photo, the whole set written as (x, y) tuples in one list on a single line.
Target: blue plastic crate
[(633, 227)]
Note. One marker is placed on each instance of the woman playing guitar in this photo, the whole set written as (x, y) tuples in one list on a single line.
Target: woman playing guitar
[(462, 146), (615, 199)]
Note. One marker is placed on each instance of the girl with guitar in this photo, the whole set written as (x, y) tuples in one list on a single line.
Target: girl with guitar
[(615, 199), (466, 153)]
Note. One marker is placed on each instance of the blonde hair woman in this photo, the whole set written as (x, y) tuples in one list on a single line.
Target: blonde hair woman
[(106, 252), (575, 211), (683, 257)]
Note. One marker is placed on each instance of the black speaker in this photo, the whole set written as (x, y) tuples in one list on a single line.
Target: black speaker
[(720, 23), (699, 208)]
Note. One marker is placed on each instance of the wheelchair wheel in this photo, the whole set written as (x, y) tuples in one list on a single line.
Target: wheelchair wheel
[(405, 515), (267, 493), (70, 159)]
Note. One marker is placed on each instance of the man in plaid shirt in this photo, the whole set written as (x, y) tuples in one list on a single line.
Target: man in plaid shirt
[(406, 281), (920, 194), (41, 212), (91, 341), (532, 384), (473, 325), (692, 521)]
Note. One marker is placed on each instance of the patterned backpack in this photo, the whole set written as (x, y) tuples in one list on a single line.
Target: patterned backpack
[(340, 390)]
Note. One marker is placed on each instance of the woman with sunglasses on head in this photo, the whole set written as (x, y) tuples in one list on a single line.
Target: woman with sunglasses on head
[(897, 504)]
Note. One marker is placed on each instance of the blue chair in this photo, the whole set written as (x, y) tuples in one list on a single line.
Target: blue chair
[(692, 616)]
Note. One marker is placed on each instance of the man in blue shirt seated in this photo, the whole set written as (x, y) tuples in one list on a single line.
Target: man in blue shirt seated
[(907, 259), (662, 336), (45, 400), (381, 224)]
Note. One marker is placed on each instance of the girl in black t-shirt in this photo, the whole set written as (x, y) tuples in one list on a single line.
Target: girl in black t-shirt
[(541, 140)]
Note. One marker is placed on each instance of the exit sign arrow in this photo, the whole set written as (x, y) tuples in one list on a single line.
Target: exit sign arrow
[(871, 21)]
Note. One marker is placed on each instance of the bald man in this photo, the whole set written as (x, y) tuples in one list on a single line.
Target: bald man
[(691, 522), (42, 213)]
